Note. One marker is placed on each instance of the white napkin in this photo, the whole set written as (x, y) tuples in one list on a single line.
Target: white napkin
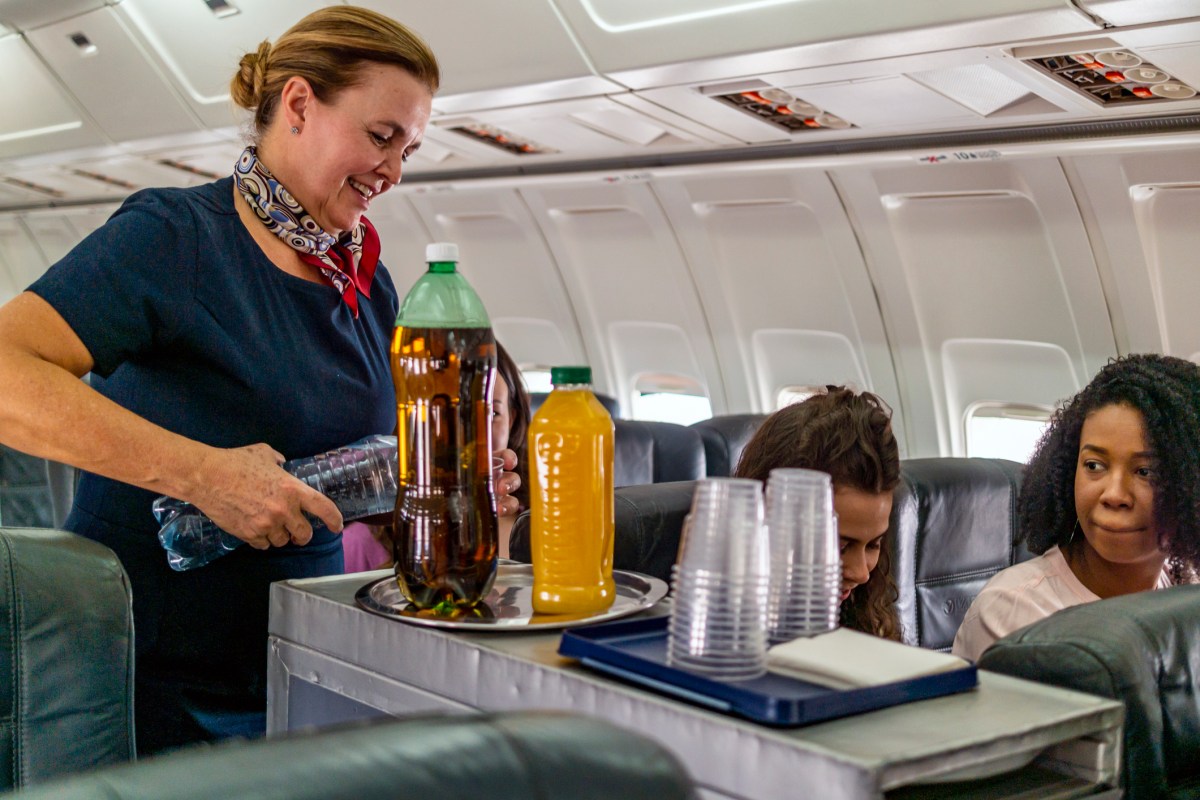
[(846, 659)]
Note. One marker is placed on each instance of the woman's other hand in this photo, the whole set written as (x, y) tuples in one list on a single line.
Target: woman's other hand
[(508, 482), (244, 491)]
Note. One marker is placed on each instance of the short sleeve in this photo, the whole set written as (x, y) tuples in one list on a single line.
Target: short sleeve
[(127, 287), (995, 614)]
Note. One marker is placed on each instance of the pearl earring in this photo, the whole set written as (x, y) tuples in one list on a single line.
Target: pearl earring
[(295, 130)]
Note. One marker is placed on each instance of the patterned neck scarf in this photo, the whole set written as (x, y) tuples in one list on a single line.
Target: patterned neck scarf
[(347, 263)]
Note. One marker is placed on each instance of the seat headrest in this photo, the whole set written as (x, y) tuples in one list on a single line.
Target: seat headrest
[(953, 526), (1142, 649), (725, 437), (655, 452)]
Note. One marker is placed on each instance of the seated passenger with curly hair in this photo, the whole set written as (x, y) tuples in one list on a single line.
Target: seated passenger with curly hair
[(849, 436), (1111, 500)]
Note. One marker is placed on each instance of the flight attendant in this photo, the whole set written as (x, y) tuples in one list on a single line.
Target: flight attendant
[(228, 327)]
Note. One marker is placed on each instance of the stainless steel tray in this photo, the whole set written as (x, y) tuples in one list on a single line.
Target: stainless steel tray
[(509, 605)]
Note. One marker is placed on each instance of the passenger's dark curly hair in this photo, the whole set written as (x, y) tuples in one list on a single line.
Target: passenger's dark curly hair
[(1166, 392), (850, 437)]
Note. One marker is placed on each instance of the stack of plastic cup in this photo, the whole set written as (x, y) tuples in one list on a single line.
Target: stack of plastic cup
[(718, 621), (806, 566)]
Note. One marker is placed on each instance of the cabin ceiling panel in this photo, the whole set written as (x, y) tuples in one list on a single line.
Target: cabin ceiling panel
[(621, 263), (199, 51), (505, 258), (891, 102), (112, 77), (484, 45), (644, 45), (24, 15), (39, 116)]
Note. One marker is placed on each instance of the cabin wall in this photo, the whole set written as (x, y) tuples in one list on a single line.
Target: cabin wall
[(1004, 279)]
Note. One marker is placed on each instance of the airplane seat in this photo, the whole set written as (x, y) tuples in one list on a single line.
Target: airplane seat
[(68, 656), (647, 522), (655, 452), (953, 526), (513, 755), (609, 402), (1142, 649), (725, 437)]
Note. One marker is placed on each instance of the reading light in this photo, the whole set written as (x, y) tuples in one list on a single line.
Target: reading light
[(86, 48), (221, 8)]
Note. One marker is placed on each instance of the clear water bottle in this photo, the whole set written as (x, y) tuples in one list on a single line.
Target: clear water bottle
[(359, 478)]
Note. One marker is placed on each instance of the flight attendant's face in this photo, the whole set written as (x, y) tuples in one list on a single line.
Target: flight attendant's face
[(862, 523), (1114, 487), (352, 148)]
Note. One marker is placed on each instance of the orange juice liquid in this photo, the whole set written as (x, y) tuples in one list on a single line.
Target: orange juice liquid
[(571, 498)]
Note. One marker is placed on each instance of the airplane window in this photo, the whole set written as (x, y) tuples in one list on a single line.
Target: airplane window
[(537, 379), (1004, 431), (682, 409)]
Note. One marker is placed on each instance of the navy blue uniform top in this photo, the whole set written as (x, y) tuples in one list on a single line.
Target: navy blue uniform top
[(193, 328)]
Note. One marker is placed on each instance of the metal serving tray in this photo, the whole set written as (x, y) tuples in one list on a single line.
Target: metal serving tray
[(509, 605)]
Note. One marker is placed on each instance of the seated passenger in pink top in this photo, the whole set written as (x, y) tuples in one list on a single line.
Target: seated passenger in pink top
[(1111, 500)]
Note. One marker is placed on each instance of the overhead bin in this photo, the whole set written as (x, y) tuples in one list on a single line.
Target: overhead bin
[(643, 45), (1139, 12), (39, 116), (198, 50), (112, 78)]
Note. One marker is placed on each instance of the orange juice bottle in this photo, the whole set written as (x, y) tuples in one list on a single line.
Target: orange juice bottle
[(571, 498)]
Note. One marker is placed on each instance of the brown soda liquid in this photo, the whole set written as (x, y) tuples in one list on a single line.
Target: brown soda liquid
[(445, 530)]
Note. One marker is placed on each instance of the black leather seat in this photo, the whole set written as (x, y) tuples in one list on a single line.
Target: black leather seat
[(725, 437), (520, 755), (67, 657), (1142, 649), (655, 452), (953, 527)]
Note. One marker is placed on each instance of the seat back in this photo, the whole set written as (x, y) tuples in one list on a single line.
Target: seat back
[(647, 522), (67, 699), (655, 452), (725, 437), (519, 756), (1142, 649), (953, 527)]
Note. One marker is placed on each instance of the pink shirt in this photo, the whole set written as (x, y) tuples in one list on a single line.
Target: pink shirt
[(360, 549), (1019, 596)]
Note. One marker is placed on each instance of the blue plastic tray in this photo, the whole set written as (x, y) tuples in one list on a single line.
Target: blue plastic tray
[(637, 651)]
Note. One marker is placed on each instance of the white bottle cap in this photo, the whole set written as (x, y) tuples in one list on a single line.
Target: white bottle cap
[(441, 251)]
